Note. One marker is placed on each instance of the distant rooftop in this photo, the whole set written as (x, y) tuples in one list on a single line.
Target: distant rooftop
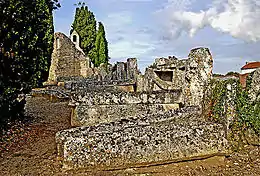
[(251, 65)]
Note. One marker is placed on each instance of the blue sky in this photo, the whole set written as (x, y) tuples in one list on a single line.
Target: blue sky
[(147, 29)]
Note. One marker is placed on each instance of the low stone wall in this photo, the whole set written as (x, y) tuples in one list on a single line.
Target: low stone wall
[(55, 92), (84, 115), (119, 98), (144, 139), (91, 108)]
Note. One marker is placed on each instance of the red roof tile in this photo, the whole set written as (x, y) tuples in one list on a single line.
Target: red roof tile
[(251, 65)]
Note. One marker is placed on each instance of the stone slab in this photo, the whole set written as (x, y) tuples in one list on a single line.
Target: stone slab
[(141, 140), (84, 115)]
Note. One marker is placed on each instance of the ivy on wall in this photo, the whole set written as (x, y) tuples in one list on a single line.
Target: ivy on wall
[(227, 98)]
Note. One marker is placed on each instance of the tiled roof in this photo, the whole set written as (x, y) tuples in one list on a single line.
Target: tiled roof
[(251, 65)]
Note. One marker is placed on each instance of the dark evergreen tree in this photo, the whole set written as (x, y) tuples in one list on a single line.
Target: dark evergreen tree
[(101, 46), (85, 24), (26, 43), (93, 42)]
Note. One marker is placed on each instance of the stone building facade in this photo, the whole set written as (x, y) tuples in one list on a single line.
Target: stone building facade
[(68, 60)]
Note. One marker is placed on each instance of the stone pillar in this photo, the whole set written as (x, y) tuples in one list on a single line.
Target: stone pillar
[(131, 68), (198, 73), (120, 71)]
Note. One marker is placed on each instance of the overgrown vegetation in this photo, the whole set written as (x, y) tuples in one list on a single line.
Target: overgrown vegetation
[(92, 41), (26, 40), (236, 74), (229, 100)]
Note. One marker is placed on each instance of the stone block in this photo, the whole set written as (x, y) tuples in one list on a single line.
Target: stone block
[(141, 140), (84, 115)]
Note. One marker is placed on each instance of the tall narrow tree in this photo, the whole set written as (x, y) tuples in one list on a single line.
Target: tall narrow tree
[(85, 25), (101, 46)]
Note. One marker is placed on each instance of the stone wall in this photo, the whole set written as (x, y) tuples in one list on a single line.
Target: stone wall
[(165, 74), (141, 140), (129, 119), (96, 107), (119, 98), (67, 60), (254, 91), (189, 75), (121, 71), (122, 92)]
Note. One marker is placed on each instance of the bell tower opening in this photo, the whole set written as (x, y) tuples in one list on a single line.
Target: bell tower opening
[(74, 38), (58, 43)]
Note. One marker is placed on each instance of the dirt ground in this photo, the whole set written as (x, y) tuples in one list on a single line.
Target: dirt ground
[(29, 149)]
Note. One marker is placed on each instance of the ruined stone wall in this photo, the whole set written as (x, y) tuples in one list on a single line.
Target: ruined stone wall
[(254, 91), (198, 75), (122, 71), (97, 107), (122, 92), (67, 60), (189, 75), (150, 122), (141, 140)]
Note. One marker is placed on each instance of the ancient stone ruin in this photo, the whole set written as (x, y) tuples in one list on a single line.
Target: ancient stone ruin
[(68, 60), (122, 118)]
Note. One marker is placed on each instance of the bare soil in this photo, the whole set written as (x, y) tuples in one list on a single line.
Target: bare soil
[(29, 149)]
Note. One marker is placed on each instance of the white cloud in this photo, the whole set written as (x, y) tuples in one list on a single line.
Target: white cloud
[(239, 18), (125, 38)]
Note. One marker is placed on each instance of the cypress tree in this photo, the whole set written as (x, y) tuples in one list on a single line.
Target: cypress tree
[(101, 46), (85, 24)]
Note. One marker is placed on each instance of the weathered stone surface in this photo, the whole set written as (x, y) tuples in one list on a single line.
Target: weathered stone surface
[(189, 75), (132, 68), (140, 140), (119, 98), (96, 107), (84, 115), (199, 73), (67, 60), (254, 91)]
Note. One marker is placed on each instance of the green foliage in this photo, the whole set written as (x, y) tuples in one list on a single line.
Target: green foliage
[(101, 46), (26, 39), (93, 43), (249, 80), (217, 75), (232, 74), (85, 25), (219, 96), (246, 112)]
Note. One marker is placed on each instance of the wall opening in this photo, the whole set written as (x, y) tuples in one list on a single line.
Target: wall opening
[(165, 75), (58, 43), (74, 38), (182, 68)]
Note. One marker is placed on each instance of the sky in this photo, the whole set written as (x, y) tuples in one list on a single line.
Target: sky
[(148, 29)]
